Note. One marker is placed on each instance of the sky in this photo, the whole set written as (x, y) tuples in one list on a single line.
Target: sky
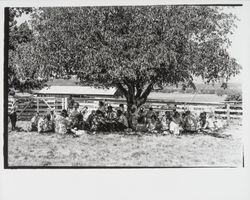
[(238, 39)]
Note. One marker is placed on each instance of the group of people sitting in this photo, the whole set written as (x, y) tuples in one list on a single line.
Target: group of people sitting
[(108, 119)]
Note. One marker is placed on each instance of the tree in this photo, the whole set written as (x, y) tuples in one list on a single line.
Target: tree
[(234, 96), (21, 73), (135, 48)]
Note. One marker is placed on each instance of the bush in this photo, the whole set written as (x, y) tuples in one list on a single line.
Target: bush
[(234, 97)]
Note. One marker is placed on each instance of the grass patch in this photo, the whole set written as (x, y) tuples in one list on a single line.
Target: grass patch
[(33, 149)]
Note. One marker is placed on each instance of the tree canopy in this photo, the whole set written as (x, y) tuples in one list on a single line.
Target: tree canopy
[(134, 48), (21, 75)]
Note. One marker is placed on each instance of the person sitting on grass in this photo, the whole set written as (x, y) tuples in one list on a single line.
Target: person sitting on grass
[(202, 123), (174, 126), (75, 116), (141, 116), (45, 124), (189, 123), (102, 107), (98, 123), (85, 112), (110, 117), (218, 123), (159, 125), (211, 122), (89, 121), (151, 124), (34, 122), (62, 123), (121, 121), (134, 117), (149, 114), (166, 119), (141, 121), (121, 108)]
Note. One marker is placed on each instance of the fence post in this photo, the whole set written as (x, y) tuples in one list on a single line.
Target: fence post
[(63, 104), (228, 112), (66, 103), (37, 104)]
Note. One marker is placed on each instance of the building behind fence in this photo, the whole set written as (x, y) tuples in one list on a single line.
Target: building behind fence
[(28, 106)]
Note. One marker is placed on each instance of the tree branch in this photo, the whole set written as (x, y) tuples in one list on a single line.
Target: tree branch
[(138, 89), (145, 94), (122, 89)]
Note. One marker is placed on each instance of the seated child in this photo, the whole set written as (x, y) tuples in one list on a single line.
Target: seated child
[(121, 108), (141, 116), (45, 124), (98, 123), (34, 122), (189, 123), (85, 112), (174, 126), (166, 119), (121, 121), (74, 116), (218, 123), (202, 123), (149, 114), (151, 125), (89, 120), (158, 126), (62, 123), (110, 119)]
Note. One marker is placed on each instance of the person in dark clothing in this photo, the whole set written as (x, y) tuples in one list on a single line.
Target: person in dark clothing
[(13, 109), (71, 102), (89, 120), (13, 120), (110, 119), (141, 116), (121, 121)]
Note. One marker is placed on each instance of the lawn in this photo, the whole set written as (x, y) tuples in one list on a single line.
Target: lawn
[(116, 149)]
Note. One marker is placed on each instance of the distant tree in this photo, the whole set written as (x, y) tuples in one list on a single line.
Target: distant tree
[(234, 96), (134, 48)]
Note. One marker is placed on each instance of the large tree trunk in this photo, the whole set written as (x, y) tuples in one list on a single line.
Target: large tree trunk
[(134, 99)]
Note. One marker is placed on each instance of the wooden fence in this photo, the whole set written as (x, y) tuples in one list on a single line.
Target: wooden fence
[(28, 106)]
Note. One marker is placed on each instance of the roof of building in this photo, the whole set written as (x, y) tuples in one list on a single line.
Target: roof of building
[(79, 90)]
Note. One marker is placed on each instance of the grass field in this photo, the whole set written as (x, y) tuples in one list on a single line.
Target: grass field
[(33, 149)]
